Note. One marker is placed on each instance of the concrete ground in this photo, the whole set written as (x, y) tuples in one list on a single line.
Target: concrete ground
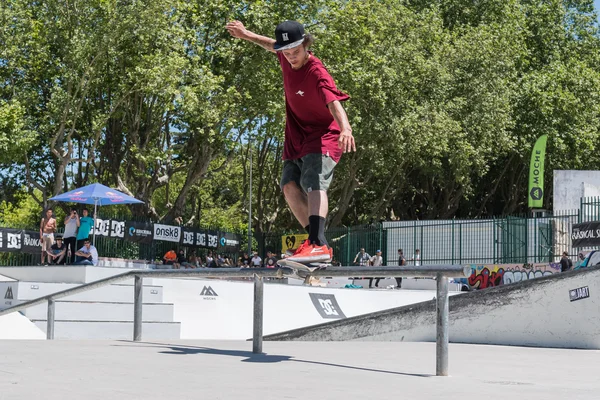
[(105, 370)]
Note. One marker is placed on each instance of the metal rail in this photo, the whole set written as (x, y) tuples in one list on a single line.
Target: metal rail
[(440, 272)]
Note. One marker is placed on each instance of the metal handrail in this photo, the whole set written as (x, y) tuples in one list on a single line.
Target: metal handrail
[(440, 272)]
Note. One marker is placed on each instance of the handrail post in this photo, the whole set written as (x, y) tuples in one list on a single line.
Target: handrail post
[(257, 332), (442, 339), (50, 320), (137, 309)]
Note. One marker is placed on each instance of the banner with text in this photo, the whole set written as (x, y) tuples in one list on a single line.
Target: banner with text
[(138, 232), (586, 234), (536, 173), (167, 233), (13, 240), (229, 242)]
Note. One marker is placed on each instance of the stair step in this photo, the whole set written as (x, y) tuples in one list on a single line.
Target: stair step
[(68, 310), (111, 330), (119, 292)]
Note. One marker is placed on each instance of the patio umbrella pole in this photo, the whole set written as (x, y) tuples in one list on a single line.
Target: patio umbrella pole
[(95, 208)]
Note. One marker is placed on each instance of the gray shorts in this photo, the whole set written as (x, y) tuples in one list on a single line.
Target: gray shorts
[(311, 172)]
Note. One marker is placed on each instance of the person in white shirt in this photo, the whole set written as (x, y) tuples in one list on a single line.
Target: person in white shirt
[(375, 261), (70, 235), (256, 260), (87, 255)]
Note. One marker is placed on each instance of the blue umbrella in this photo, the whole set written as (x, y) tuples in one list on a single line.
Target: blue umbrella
[(98, 195)]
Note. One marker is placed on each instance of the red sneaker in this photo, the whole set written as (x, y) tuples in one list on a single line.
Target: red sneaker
[(311, 253), (290, 253)]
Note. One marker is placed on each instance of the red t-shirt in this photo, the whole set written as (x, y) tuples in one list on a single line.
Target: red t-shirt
[(309, 126)]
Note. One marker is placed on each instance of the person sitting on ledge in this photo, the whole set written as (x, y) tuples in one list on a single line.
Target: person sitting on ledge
[(170, 258), (57, 252), (87, 255)]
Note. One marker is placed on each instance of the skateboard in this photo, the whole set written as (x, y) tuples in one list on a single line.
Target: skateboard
[(302, 270)]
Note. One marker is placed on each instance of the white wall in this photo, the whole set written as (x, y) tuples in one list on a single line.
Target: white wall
[(570, 186), (228, 315)]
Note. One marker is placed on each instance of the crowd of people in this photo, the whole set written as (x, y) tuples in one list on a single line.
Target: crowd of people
[(74, 246), (179, 260)]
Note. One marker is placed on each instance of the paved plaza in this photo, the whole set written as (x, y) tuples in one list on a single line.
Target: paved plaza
[(101, 370)]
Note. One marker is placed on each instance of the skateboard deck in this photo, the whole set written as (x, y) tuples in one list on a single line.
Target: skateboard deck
[(302, 270)]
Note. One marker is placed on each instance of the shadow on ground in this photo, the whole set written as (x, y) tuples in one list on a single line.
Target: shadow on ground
[(248, 356)]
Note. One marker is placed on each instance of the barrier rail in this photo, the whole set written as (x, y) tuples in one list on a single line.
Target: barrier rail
[(440, 272)]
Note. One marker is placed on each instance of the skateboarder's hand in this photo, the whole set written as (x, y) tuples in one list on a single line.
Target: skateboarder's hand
[(346, 141), (236, 29)]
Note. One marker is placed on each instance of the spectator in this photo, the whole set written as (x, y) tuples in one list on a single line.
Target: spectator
[(221, 261), (211, 261), (170, 258), (580, 260), (244, 261), (58, 252), (70, 235), (182, 260), (565, 262), (362, 257), (195, 260), (271, 260), (376, 261), (85, 226), (401, 262), (47, 230), (87, 255), (256, 261)]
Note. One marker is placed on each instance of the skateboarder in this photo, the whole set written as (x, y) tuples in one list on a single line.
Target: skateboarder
[(317, 131)]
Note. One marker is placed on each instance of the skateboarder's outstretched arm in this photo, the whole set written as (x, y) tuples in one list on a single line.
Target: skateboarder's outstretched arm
[(238, 30)]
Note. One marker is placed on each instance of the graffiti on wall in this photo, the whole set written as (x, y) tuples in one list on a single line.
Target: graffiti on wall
[(485, 276)]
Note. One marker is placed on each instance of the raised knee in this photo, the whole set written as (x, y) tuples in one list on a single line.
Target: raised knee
[(290, 189)]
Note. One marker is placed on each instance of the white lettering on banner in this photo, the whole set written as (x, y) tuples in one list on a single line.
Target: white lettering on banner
[(328, 308), (29, 241), (1, 237), (13, 240), (188, 238), (213, 240), (102, 227), (201, 239), (117, 229), (167, 233)]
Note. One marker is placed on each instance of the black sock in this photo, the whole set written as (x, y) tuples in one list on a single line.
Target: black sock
[(316, 232)]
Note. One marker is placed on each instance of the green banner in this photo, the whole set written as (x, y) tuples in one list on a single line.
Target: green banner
[(536, 173)]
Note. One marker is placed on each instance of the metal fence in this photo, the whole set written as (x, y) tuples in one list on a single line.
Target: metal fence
[(507, 240), (537, 238)]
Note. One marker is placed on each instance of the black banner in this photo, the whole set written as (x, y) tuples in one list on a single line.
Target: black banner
[(188, 238), (212, 239), (586, 234), (229, 242), (138, 232), (18, 240), (11, 240), (31, 242)]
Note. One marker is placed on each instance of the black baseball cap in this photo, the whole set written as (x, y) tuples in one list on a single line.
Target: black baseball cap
[(288, 34)]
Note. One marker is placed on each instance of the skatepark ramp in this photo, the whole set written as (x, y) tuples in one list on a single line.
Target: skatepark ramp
[(561, 310)]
